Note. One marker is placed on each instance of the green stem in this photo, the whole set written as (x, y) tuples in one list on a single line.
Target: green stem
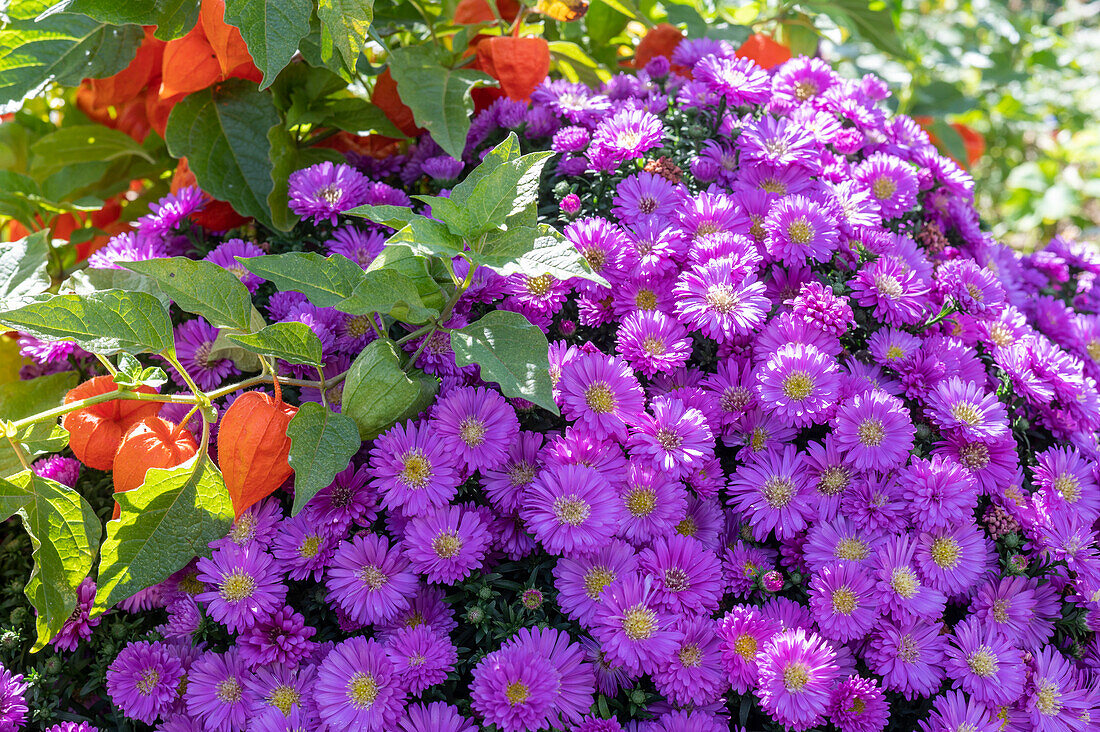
[(267, 379), (107, 364), (170, 356), (324, 399), (23, 460), (187, 417), (373, 325), (105, 397)]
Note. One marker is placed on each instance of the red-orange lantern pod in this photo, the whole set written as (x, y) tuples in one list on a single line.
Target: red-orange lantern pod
[(519, 64), (764, 50), (253, 447), (151, 442), (661, 40), (96, 431)]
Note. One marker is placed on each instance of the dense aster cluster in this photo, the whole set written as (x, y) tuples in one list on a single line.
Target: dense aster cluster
[(825, 445)]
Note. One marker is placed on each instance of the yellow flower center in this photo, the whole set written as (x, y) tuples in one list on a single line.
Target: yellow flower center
[(373, 577), (907, 649), (653, 346), (798, 385), (472, 431), (844, 601), (687, 527), (721, 298), (945, 552), (1000, 611), (834, 479), (799, 231), (229, 691), (893, 353), (639, 623), (599, 398), (871, 432), (516, 693), (1047, 698), (852, 549), (237, 586), (888, 286), (884, 187), (803, 90), (244, 529), (309, 547), (521, 473), (362, 690), (1068, 486), (150, 677), (983, 662), (539, 286), (417, 469), (284, 698), (745, 646), (975, 455), (778, 492), (691, 656), (641, 501), (645, 300), (571, 510), (596, 579), (796, 676), (904, 582), (447, 545)]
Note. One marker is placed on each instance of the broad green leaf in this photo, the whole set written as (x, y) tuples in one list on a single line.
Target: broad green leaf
[(21, 399), (202, 288), (222, 133), (164, 524), (81, 144), (428, 238), (292, 342), (63, 47), (505, 152), (271, 29), (402, 259), (388, 292), (344, 26), (104, 322), (65, 533), (23, 269), (438, 96), (358, 116), (325, 281), (869, 19), (243, 358), (455, 216), (132, 374), (19, 195), (12, 498), (91, 281), (394, 217), (950, 141), (40, 438), (173, 18), (507, 190), (377, 393), (511, 352), (322, 444), (534, 252)]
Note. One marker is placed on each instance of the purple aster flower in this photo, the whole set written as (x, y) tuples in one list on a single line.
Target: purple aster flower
[(217, 695), (890, 181), (413, 468), (800, 229), (369, 579), (953, 711), (442, 168), (581, 580), (256, 526), (323, 190), (816, 303), (675, 438), (1065, 478), (874, 430), (954, 558), (719, 301), (247, 586), (601, 393), (600, 242), (73, 727), (570, 139), (434, 717), (777, 142), (281, 303), (844, 600), (628, 134), (632, 627), (194, 341), (504, 486), (349, 499), (967, 410), (799, 383), (651, 501), (839, 540), (303, 547), (228, 256), (694, 673), (646, 197), (652, 342), (894, 291), (740, 81), (142, 680), (857, 705), (63, 470), (79, 625), (939, 492), (280, 692), (282, 638), (426, 608), (1054, 700), (167, 213), (421, 657), (686, 576), (513, 688), (46, 353), (446, 544), (744, 564), (909, 656), (13, 705), (900, 588), (356, 244), (542, 295), (570, 509), (797, 671), (984, 664), (576, 687), (993, 464), (357, 688), (771, 491), (129, 246), (184, 619), (475, 425)]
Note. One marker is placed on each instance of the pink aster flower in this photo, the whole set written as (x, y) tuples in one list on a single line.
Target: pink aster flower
[(770, 491), (892, 290), (370, 580), (446, 544), (228, 255), (953, 559), (653, 342), (966, 409), (514, 688), (857, 705), (712, 300), (652, 503), (413, 468), (890, 181), (601, 393), (797, 670), (475, 425), (874, 430), (675, 438), (745, 631), (357, 688), (282, 638), (800, 229), (571, 509), (799, 384), (80, 624), (939, 492), (576, 687)]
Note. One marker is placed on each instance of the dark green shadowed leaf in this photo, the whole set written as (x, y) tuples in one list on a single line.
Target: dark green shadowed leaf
[(377, 393), (292, 342), (511, 352), (388, 292), (65, 533), (202, 288), (104, 322), (82, 144), (271, 29), (322, 444), (325, 281), (222, 131), (164, 524), (173, 18)]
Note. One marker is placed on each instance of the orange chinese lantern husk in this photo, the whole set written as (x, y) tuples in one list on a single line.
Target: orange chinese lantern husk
[(385, 96), (96, 431), (470, 12), (519, 64), (764, 50), (253, 448), (661, 40), (151, 442)]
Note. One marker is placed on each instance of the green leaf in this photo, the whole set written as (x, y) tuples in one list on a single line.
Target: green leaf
[(322, 444), (325, 281), (65, 533), (394, 217), (511, 352), (507, 190), (388, 292), (164, 523), (104, 322), (173, 18), (202, 288), (377, 393), (292, 342), (428, 238), (23, 269), (12, 498), (454, 215), (402, 259), (92, 281), (438, 96), (870, 19), (222, 133), (132, 374), (81, 144), (21, 399), (271, 29), (505, 152), (37, 439), (243, 358), (534, 252), (359, 117), (63, 47), (344, 26), (19, 195)]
